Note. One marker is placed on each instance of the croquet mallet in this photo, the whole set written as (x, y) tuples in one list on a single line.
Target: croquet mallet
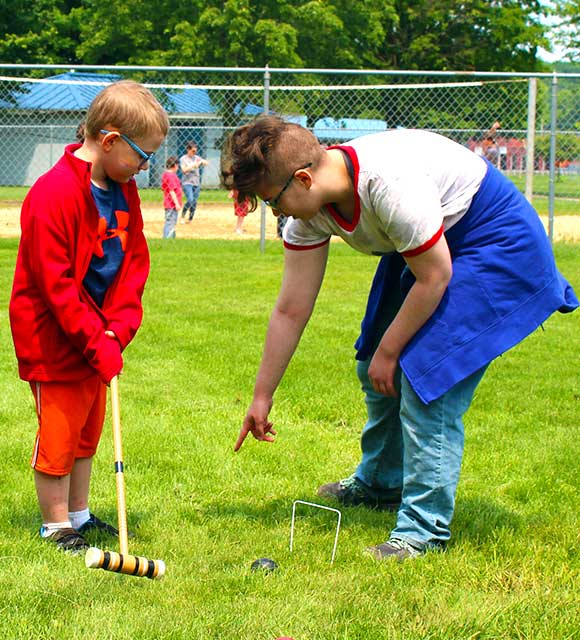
[(110, 560)]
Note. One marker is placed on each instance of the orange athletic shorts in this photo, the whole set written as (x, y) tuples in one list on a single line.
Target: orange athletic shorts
[(70, 422)]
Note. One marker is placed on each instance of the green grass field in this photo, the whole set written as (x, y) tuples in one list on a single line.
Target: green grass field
[(567, 190), (512, 570), (148, 196), (565, 185)]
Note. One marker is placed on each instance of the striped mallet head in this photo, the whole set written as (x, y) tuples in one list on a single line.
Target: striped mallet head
[(124, 563)]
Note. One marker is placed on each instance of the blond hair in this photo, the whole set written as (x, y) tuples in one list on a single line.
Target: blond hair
[(129, 107), (266, 151)]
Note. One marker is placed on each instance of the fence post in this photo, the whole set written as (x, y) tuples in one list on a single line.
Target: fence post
[(531, 138), (50, 138), (262, 205), (552, 191)]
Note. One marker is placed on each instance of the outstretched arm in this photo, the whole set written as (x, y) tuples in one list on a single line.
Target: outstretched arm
[(432, 271), (303, 275)]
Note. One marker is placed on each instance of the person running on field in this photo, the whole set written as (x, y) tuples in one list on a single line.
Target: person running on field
[(190, 164)]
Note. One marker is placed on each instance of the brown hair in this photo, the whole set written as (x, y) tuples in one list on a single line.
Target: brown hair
[(266, 150), (170, 162), (80, 132), (129, 107)]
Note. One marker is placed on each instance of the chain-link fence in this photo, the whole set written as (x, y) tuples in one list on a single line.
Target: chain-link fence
[(537, 142)]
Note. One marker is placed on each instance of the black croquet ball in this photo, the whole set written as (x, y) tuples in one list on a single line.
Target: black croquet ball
[(266, 565)]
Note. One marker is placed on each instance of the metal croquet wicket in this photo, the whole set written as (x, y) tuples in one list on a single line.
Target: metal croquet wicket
[(317, 506)]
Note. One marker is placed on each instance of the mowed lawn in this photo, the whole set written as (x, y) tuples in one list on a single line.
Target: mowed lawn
[(511, 571), (566, 190)]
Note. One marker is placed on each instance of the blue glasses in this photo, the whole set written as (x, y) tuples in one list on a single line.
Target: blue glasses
[(147, 157), (273, 202)]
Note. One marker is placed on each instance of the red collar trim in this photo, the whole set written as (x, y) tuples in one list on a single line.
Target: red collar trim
[(340, 221)]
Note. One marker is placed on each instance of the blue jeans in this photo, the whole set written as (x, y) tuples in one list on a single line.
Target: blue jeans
[(170, 222), (191, 192), (416, 448)]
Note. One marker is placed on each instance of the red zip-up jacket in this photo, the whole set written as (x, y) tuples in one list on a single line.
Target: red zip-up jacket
[(58, 330)]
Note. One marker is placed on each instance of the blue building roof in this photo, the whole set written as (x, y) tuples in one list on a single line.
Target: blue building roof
[(248, 109), (188, 100), (63, 94), (301, 120), (346, 128)]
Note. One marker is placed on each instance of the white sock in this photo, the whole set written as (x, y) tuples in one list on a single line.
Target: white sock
[(79, 517), (49, 528)]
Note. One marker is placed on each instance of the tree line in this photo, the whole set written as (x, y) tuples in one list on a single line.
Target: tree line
[(498, 35)]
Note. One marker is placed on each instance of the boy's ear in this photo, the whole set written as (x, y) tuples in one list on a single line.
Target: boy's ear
[(304, 176), (108, 140)]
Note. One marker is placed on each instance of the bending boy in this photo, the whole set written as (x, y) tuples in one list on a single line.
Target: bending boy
[(76, 300), (480, 276)]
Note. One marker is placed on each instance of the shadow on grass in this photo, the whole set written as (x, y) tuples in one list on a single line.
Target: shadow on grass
[(273, 512), (479, 520)]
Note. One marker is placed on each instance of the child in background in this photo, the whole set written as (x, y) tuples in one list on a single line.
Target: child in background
[(240, 210), (479, 277), (172, 194), (76, 300), (190, 164)]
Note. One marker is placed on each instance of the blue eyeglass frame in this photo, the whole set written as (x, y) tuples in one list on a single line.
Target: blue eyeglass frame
[(147, 157), (273, 202)]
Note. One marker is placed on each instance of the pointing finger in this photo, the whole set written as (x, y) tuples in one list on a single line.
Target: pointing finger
[(240, 441)]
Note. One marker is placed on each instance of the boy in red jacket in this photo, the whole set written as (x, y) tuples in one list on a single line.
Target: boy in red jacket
[(76, 300)]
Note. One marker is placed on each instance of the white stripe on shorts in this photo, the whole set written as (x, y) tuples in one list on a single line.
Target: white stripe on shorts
[(37, 441)]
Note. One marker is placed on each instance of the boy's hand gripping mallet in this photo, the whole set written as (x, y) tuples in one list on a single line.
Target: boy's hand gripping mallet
[(109, 560)]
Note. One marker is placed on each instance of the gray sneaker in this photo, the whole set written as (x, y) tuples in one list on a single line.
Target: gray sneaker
[(395, 549), (351, 492)]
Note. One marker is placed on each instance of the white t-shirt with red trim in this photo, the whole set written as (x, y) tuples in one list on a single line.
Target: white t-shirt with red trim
[(409, 187)]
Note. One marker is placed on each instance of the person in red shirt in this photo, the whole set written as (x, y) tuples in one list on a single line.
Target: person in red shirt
[(76, 300), (172, 196), (241, 210)]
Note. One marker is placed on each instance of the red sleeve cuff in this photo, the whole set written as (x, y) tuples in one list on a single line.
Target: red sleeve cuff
[(424, 247), (304, 247)]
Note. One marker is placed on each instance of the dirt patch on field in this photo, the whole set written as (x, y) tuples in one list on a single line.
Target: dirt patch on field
[(210, 221), (218, 221)]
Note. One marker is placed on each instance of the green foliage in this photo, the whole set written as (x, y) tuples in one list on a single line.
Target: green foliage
[(568, 30), (511, 570), (568, 104), (41, 31), (477, 34), (567, 146), (387, 34)]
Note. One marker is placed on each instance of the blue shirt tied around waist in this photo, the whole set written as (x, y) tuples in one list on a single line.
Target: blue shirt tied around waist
[(111, 242), (504, 285)]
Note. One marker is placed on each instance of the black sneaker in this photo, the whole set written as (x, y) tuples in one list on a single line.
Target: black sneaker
[(351, 492), (68, 540), (395, 549), (95, 524)]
